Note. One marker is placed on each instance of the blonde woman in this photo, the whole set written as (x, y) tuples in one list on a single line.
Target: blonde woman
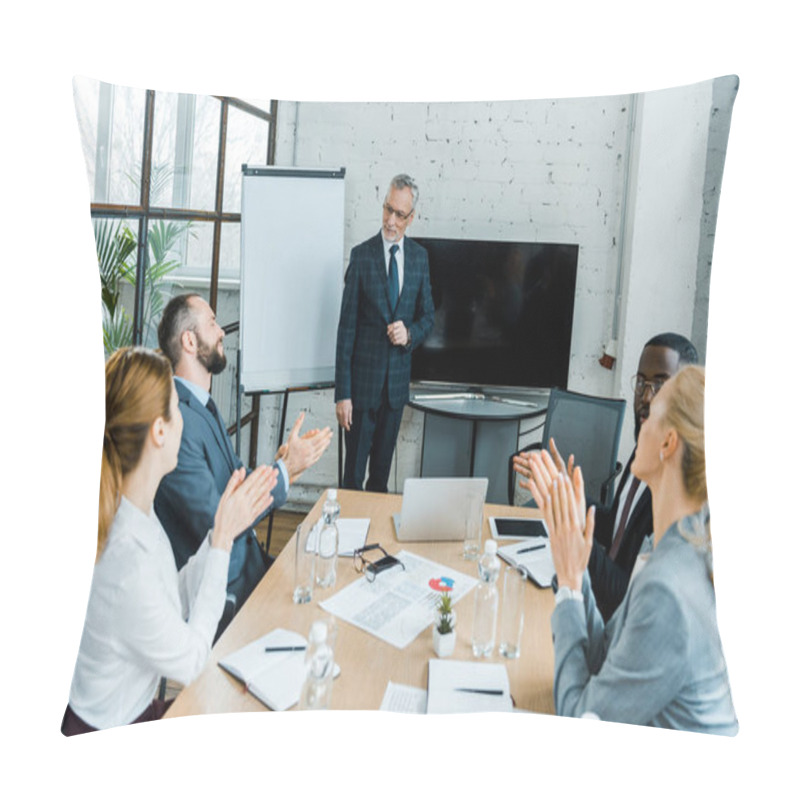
[(658, 661), (144, 619)]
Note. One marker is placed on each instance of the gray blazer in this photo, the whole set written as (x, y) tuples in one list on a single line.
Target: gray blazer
[(659, 659), (187, 498)]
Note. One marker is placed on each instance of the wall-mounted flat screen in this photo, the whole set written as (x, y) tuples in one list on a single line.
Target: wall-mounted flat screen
[(503, 313)]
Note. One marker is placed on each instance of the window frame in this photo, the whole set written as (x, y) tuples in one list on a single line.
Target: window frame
[(144, 213)]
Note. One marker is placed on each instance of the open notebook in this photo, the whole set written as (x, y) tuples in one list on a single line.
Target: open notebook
[(274, 678), (534, 557), (464, 686)]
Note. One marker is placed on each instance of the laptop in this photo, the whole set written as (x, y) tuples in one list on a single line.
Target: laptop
[(436, 509)]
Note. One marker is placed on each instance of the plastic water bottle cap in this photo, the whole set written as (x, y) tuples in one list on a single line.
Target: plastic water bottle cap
[(331, 494), (319, 632), (490, 547)]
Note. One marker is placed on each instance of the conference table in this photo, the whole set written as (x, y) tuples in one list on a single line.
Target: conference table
[(368, 663)]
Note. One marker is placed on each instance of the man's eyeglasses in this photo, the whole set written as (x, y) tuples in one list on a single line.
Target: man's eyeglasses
[(399, 214), (370, 569), (639, 384)]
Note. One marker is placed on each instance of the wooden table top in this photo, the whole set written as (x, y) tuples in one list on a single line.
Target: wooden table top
[(367, 663)]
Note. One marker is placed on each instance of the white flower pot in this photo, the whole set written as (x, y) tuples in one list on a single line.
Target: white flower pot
[(443, 643)]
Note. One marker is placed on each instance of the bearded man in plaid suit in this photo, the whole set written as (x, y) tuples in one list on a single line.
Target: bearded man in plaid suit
[(387, 311)]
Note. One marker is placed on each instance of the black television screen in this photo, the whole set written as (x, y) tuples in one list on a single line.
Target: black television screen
[(503, 313)]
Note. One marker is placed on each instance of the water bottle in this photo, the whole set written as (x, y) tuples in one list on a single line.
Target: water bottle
[(330, 510), (328, 543), (319, 665), (484, 622)]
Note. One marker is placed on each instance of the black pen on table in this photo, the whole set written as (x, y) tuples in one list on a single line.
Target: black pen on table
[(497, 692), (530, 549), (297, 649)]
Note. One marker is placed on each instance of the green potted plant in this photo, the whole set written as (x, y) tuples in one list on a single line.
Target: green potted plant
[(444, 627)]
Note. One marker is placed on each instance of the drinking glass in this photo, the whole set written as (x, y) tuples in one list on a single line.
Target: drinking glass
[(512, 611), (473, 528), (305, 556)]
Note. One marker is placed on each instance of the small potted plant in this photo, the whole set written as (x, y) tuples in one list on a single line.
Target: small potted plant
[(444, 627)]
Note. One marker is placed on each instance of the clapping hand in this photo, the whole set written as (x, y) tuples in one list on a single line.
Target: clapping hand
[(300, 452), (562, 499), (522, 463), (242, 502), (567, 468)]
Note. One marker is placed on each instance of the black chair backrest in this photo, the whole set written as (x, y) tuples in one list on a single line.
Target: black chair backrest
[(589, 428)]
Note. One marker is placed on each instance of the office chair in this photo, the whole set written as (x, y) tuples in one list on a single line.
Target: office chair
[(589, 428)]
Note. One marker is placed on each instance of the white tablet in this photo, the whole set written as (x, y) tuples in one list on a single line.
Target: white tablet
[(517, 528)]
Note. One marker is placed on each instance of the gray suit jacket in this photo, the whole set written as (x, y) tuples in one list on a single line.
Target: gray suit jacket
[(187, 499), (365, 358), (659, 660)]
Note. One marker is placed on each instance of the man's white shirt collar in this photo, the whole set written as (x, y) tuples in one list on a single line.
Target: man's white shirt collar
[(388, 245), (198, 391)]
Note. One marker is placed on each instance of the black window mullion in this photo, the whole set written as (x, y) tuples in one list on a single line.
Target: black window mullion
[(223, 133), (144, 219), (272, 132)]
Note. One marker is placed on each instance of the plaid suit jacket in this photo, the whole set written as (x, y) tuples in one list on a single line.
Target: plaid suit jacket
[(365, 359)]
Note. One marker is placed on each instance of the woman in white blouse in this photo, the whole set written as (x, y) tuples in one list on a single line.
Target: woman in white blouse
[(144, 619), (659, 659)]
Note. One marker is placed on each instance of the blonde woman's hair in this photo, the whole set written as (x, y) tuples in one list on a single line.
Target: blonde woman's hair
[(138, 390), (685, 413)]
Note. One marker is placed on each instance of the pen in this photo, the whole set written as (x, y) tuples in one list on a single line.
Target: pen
[(497, 692), (285, 649), (529, 549)]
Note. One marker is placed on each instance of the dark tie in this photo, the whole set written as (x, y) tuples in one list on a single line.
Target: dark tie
[(623, 520), (394, 280), (212, 407), (231, 455)]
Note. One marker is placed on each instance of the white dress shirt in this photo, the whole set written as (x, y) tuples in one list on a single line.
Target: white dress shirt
[(144, 620), (640, 489)]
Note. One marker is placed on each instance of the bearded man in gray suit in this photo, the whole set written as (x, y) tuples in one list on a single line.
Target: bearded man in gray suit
[(191, 338)]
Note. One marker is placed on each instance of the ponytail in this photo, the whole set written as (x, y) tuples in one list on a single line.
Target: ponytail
[(138, 390)]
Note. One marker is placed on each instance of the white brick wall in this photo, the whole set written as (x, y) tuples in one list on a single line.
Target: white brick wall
[(549, 170)]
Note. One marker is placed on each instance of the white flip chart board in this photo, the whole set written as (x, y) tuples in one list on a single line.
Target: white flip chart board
[(291, 290)]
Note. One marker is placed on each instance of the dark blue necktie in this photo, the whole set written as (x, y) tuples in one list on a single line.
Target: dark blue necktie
[(394, 280), (212, 407)]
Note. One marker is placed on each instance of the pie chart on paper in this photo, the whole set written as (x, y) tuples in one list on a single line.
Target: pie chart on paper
[(441, 584)]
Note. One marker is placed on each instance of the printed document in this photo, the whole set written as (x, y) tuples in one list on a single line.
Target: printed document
[(404, 699), (399, 604)]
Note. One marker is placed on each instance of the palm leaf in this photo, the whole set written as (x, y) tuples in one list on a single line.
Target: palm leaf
[(117, 331), (115, 243)]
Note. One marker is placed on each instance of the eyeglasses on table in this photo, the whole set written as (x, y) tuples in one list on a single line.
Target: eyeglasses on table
[(371, 569)]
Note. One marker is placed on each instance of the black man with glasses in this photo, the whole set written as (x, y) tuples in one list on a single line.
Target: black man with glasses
[(620, 530), (387, 311)]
